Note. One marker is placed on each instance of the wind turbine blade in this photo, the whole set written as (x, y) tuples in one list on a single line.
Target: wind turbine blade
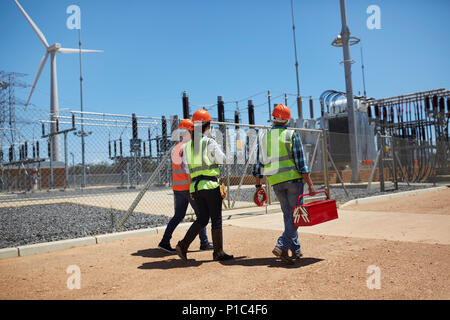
[(70, 50), (33, 25), (41, 66)]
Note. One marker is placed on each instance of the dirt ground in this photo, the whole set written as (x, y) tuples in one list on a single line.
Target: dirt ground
[(436, 202), (333, 267)]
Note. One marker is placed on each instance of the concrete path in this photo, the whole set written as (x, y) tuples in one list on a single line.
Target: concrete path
[(414, 216), (412, 227)]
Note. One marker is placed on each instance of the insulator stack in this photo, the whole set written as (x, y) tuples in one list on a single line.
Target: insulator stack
[(220, 109), (311, 108), (134, 126), (185, 101), (236, 118), (377, 112), (251, 112)]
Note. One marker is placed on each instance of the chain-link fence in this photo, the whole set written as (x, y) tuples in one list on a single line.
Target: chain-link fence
[(104, 160), (240, 143), (385, 163), (81, 162), (86, 158)]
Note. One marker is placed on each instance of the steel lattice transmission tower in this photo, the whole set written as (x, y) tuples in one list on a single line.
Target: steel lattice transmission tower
[(8, 129)]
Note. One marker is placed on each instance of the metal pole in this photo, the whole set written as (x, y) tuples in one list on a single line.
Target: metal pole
[(51, 162), (381, 169), (394, 164), (54, 109), (363, 75), (325, 161), (66, 160), (299, 99), (83, 149), (227, 166), (73, 169), (345, 34)]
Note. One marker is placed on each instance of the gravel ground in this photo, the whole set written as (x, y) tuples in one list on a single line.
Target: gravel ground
[(338, 192), (51, 222), (359, 191)]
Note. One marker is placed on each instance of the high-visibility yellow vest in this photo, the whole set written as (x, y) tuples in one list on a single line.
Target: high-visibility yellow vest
[(276, 156), (200, 165)]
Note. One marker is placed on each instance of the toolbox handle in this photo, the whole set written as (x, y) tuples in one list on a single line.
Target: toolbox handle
[(308, 194)]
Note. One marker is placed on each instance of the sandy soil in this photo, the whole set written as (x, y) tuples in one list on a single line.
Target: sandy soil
[(437, 202), (332, 268)]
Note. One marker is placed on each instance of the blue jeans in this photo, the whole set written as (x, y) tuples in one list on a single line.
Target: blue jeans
[(182, 200), (287, 193)]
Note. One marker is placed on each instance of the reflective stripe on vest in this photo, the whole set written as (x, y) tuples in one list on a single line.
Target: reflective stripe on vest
[(199, 162), (180, 179), (276, 156)]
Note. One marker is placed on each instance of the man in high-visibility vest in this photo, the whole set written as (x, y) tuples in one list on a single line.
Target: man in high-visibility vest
[(201, 157), (180, 188), (280, 158)]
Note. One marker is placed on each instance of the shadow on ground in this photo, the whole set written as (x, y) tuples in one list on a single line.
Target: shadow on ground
[(158, 253), (269, 262), (153, 253), (240, 261)]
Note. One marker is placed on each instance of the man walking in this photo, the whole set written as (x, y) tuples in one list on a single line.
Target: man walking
[(280, 158)]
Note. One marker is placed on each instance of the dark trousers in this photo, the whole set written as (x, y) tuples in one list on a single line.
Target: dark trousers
[(182, 200), (209, 204)]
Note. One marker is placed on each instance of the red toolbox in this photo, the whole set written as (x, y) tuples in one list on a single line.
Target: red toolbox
[(314, 212)]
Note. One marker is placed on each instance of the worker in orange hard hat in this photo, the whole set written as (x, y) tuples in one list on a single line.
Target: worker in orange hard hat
[(180, 188), (281, 159), (281, 113), (201, 157)]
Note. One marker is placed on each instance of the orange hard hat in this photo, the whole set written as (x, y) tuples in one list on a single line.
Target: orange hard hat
[(201, 115), (281, 112), (186, 124)]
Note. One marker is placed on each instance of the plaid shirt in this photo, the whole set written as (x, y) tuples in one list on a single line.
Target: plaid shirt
[(297, 152)]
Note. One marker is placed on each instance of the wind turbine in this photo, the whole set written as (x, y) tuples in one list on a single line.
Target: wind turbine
[(54, 106)]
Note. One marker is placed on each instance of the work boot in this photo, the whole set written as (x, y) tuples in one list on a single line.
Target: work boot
[(219, 254), (191, 234), (283, 255), (166, 247), (206, 246), (181, 249), (296, 256)]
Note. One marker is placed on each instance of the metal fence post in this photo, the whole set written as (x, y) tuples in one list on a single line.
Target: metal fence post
[(227, 165), (325, 161), (66, 161), (394, 164), (51, 164), (381, 168)]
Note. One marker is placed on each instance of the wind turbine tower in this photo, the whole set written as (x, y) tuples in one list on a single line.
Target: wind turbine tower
[(54, 105)]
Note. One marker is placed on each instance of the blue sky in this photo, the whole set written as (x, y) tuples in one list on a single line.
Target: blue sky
[(156, 49)]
